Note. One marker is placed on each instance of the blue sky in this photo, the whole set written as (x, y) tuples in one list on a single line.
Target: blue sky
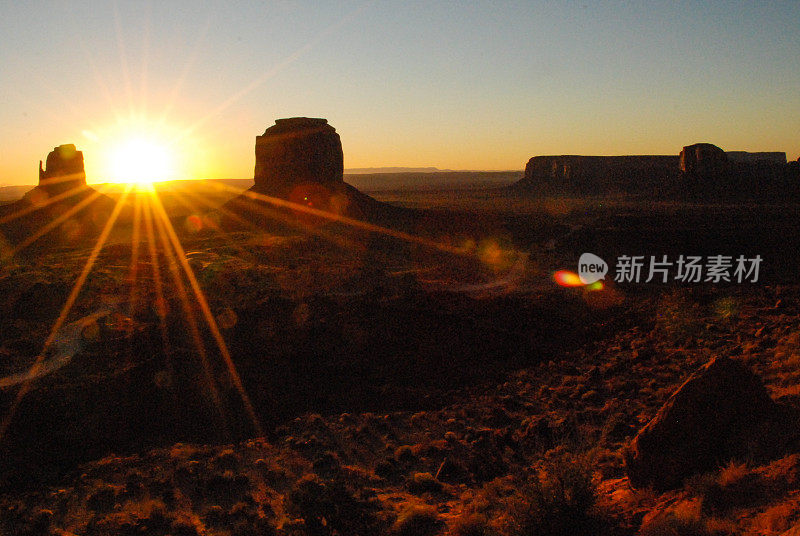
[(460, 85)]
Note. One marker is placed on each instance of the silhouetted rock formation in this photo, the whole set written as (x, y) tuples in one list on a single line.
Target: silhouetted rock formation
[(300, 160), (722, 412), (701, 171), (295, 151), (709, 174), (64, 169), (61, 196), (774, 158), (588, 175)]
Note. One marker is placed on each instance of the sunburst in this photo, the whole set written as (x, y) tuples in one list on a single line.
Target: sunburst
[(139, 153)]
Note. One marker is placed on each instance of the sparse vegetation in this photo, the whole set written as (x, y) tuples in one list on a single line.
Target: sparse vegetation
[(465, 422), (416, 520), (559, 499), (329, 507)]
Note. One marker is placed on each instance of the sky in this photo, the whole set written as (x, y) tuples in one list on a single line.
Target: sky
[(456, 85)]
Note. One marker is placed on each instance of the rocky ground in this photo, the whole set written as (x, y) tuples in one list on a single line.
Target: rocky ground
[(399, 391)]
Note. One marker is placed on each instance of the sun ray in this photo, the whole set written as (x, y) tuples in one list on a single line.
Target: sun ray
[(173, 96), (183, 296), (53, 224), (47, 202), (297, 54), (97, 76), (65, 310), (148, 12), (276, 215), (133, 271), (160, 300), (207, 314), (352, 222), (213, 225), (123, 61)]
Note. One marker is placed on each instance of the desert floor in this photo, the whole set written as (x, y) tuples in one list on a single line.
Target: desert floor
[(321, 379)]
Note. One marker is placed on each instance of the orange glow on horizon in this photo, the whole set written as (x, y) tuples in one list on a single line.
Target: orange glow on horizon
[(144, 149)]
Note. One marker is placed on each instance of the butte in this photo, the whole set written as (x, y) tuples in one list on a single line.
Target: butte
[(299, 177), (61, 199)]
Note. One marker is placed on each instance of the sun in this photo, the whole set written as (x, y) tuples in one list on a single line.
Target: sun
[(140, 160)]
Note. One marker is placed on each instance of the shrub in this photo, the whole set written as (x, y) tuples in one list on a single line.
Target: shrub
[(329, 507), (676, 526), (734, 486), (471, 525), (559, 501), (423, 483), (418, 521)]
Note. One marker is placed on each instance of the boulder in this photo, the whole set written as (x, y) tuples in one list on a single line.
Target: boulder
[(722, 412)]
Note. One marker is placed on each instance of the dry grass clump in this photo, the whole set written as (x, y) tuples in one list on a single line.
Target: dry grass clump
[(330, 507), (418, 520), (560, 500), (471, 524), (421, 483), (678, 319), (734, 486), (673, 525)]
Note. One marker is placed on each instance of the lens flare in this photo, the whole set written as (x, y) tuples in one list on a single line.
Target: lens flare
[(565, 278)]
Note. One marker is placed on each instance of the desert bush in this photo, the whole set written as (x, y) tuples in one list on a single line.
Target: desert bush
[(471, 525), (423, 483), (415, 520), (329, 507), (678, 319), (404, 454), (676, 526), (560, 500), (734, 486)]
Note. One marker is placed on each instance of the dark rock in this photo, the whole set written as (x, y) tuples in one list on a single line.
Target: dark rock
[(420, 483), (722, 412), (703, 159), (61, 191), (326, 465), (102, 500), (300, 160), (40, 301), (64, 169), (774, 158), (296, 151), (702, 171), (597, 175)]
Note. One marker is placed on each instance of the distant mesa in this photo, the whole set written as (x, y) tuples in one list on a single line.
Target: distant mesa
[(703, 159), (777, 158), (701, 171), (395, 169), (594, 175), (300, 160), (61, 196)]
